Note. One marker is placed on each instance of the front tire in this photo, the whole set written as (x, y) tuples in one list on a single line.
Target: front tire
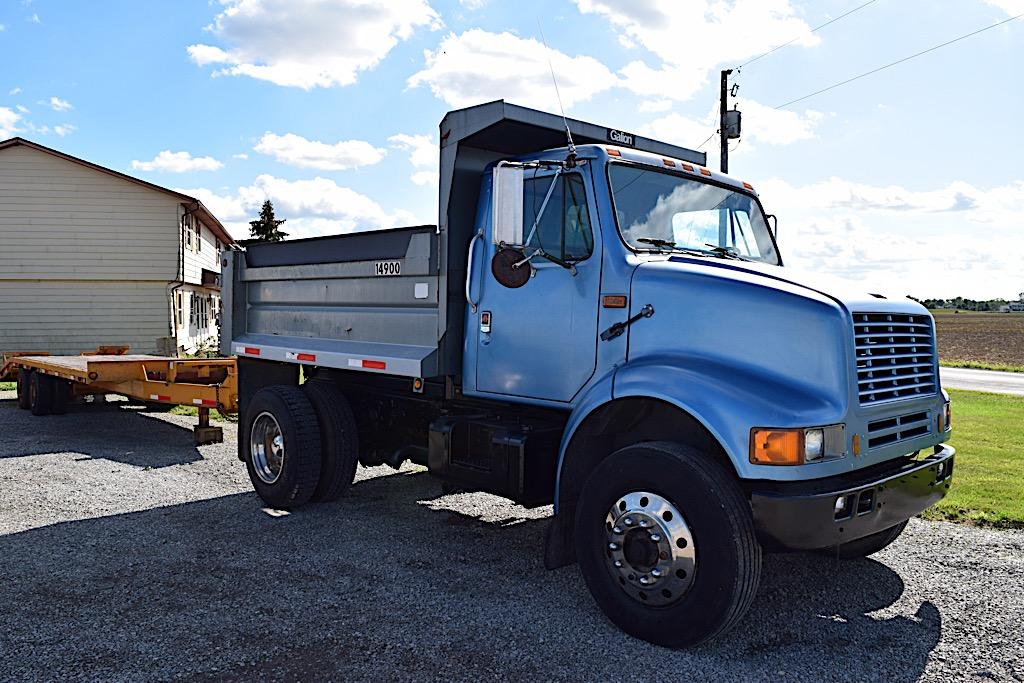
[(282, 446), (665, 542)]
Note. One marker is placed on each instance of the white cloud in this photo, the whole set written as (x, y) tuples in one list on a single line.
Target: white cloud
[(478, 66), (2, 28), (312, 207), (654, 106), (23, 109), (309, 43), (14, 91), (1011, 7), (9, 123), (177, 162), (66, 129), (296, 150), (34, 19), (472, 4), (423, 155), (714, 33), (241, 155), (57, 104), (957, 240)]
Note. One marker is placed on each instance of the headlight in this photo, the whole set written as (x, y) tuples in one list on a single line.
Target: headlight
[(796, 446)]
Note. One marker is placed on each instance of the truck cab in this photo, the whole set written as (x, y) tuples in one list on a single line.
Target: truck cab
[(601, 323)]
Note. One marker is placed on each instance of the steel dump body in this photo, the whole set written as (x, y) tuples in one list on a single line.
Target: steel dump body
[(323, 301)]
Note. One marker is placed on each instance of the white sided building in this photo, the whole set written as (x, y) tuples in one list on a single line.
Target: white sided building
[(91, 257)]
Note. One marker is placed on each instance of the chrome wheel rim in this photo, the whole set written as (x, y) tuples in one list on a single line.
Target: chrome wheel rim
[(266, 446), (649, 550)]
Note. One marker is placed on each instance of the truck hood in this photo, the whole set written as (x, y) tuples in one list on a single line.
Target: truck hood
[(850, 295)]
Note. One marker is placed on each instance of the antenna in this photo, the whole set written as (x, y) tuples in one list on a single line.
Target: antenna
[(571, 159)]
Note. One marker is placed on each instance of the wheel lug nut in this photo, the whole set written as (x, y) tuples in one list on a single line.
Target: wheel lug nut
[(628, 521), (644, 580), (618, 563), (656, 572), (613, 546), (655, 537), (643, 522), (617, 530)]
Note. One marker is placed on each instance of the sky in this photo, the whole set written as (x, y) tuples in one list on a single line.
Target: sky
[(907, 181)]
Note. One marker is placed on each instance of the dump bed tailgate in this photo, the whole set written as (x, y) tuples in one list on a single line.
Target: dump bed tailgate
[(365, 301)]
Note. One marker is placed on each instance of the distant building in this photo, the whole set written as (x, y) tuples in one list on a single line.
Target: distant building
[(90, 256), (1015, 307)]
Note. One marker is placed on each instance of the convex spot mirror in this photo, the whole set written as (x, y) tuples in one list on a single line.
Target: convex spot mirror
[(508, 205)]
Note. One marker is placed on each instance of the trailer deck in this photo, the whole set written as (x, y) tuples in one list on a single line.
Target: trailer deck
[(204, 383)]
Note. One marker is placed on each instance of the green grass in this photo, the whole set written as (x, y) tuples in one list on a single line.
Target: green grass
[(8, 386), (988, 478), (194, 412), (981, 365)]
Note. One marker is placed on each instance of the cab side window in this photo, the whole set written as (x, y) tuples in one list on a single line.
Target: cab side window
[(564, 227)]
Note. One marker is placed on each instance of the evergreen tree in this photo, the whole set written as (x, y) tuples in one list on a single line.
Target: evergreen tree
[(267, 228)]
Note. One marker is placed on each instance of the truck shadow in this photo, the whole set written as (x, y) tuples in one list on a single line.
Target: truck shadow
[(397, 581), (117, 431)]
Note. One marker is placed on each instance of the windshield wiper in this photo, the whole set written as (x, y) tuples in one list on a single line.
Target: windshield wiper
[(655, 242), (724, 252)]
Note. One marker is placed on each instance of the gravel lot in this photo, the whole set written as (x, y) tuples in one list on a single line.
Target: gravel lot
[(129, 554)]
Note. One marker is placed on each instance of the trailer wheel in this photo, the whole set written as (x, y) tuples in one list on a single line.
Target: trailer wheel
[(60, 397), (665, 542), (282, 446), (24, 401), (339, 440), (869, 545), (40, 393)]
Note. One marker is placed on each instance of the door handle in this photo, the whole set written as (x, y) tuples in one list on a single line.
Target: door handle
[(469, 270)]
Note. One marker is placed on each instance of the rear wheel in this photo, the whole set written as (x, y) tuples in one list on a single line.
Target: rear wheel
[(282, 446), (869, 545), (339, 442), (61, 396), (40, 393), (665, 542), (24, 402)]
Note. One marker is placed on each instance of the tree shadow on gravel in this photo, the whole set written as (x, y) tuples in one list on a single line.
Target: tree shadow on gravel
[(119, 431), (396, 582)]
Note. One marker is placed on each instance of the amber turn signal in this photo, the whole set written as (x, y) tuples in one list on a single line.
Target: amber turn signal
[(777, 446)]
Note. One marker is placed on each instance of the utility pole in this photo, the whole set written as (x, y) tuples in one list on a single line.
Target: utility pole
[(723, 106)]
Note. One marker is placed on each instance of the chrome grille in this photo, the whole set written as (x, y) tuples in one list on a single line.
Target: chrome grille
[(895, 356), (899, 428)]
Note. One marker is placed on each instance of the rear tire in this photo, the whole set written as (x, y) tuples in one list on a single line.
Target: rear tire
[(717, 531), (61, 396), (869, 545), (40, 393), (281, 444), (339, 440), (23, 394)]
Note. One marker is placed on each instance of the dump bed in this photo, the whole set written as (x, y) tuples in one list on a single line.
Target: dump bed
[(393, 300), (366, 301)]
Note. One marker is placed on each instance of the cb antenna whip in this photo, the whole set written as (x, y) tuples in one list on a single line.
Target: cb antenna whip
[(571, 159)]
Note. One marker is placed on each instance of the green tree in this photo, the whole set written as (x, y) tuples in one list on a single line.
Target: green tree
[(266, 228)]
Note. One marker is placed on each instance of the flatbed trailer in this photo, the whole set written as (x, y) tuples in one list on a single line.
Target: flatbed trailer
[(46, 383)]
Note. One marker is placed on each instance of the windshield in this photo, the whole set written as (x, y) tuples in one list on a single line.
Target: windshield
[(659, 211)]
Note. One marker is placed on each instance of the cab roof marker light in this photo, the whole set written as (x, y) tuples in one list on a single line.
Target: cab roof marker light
[(688, 167), (612, 152), (748, 185), (669, 163), (705, 171)]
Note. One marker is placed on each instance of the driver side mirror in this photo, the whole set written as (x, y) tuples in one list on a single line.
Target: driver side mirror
[(507, 219)]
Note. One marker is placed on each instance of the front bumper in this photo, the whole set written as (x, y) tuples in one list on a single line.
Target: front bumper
[(803, 515)]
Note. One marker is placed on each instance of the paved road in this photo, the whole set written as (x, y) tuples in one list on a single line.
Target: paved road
[(983, 380), (129, 554)]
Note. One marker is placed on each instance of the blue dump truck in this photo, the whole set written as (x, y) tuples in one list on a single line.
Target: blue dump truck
[(603, 324)]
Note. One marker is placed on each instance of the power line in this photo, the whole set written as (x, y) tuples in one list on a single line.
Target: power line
[(813, 30), (900, 61)]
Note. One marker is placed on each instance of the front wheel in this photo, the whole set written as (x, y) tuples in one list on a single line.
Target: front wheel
[(281, 446), (665, 542)]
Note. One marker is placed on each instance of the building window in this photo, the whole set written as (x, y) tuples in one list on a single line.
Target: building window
[(179, 306), (193, 230)]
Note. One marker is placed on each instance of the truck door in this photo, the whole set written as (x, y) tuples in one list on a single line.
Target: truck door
[(541, 340)]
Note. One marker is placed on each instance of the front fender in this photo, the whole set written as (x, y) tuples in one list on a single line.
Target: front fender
[(729, 400)]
